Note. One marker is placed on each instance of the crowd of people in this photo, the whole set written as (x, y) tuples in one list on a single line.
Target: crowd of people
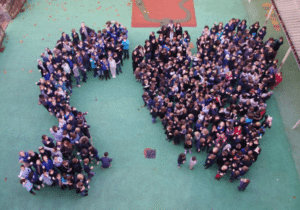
[(213, 101), (64, 159)]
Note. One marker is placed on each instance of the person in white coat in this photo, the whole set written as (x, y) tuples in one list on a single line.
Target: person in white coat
[(112, 66)]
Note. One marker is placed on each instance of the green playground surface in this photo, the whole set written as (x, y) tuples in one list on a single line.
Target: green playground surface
[(121, 127)]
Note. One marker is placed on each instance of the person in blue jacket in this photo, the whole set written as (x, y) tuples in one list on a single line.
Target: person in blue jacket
[(210, 160), (229, 27), (125, 44), (94, 154), (47, 164), (93, 65), (243, 184), (34, 179), (262, 32), (23, 158), (105, 161), (181, 159)]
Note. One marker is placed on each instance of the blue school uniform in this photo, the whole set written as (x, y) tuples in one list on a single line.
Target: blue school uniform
[(105, 162), (261, 34), (242, 186), (209, 162), (95, 155), (229, 28), (180, 160), (48, 165), (35, 178), (25, 158)]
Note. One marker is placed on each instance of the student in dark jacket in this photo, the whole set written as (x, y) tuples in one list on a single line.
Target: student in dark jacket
[(34, 179), (253, 29), (94, 154), (178, 29), (84, 153), (84, 128), (84, 142), (118, 62), (38, 167), (66, 167), (148, 50), (84, 31), (53, 173), (262, 32), (152, 36), (243, 184), (65, 37), (176, 137), (210, 160), (67, 150), (234, 175), (105, 161), (163, 30), (33, 157), (71, 182), (87, 169), (80, 188), (278, 43), (181, 159), (44, 152), (154, 113), (42, 67), (80, 184), (47, 141), (60, 181), (75, 37), (75, 164)]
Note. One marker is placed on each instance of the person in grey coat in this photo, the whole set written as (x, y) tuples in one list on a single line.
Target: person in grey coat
[(76, 74), (46, 179)]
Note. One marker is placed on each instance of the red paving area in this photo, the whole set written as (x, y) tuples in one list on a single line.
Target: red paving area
[(158, 10)]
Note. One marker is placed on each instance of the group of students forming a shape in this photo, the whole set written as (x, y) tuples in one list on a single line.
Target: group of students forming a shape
[(63, 160), (213, 101)]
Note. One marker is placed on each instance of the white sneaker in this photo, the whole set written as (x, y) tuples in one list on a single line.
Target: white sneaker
[(43, 185), (39, 187), (184, 151), (98, 162), (89, 187), (78, 86), (190, 151)]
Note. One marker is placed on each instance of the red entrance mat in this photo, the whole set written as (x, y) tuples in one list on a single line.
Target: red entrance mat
[(152, 13)]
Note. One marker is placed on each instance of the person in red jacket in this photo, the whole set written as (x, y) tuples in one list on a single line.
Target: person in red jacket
[(237, 130), (278, 78)]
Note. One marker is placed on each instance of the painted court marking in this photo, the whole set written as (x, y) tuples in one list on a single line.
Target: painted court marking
[(154, 13)]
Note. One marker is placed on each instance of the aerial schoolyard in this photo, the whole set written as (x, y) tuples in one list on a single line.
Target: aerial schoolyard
[(120, 126)]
